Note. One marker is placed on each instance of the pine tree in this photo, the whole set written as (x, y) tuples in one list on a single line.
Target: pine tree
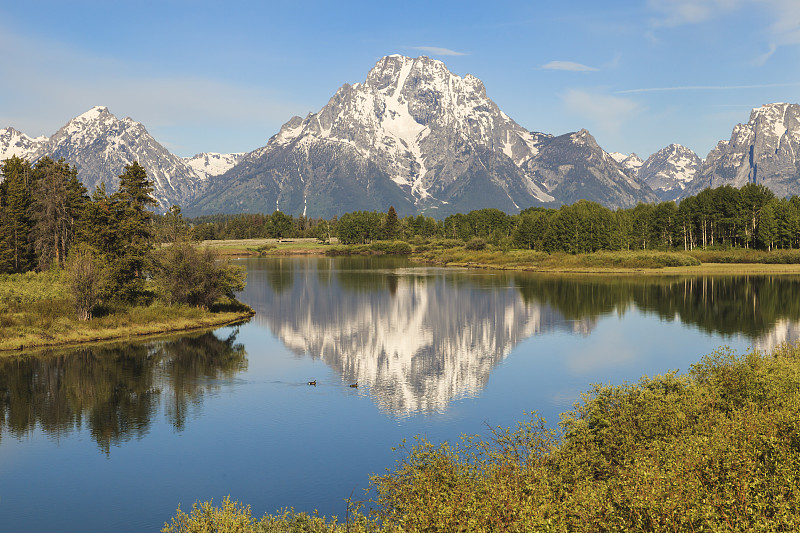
[(135, 236), (16, 202), (59, 199), (392, 227)]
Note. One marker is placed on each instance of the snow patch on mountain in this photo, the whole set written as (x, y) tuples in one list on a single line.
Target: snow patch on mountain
[(670, 170), (765, 151), (15, 143), (209, 164), (100, 146)]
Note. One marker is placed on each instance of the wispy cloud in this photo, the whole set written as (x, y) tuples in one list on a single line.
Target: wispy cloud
[(606, 112), (437, 51), (707, 88), (677, 12), (569, 66), (785, 14)]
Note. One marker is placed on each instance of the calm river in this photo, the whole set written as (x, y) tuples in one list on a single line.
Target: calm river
[(115, 438)]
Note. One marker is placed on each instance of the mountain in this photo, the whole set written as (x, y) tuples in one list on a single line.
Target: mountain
[(15, 143), (574, 167), (763, 151), (100, 145), (670, 170), (629, 163), (209, 164), (418, 137)]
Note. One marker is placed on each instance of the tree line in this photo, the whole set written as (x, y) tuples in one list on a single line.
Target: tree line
[(106, 243), (724, 217)]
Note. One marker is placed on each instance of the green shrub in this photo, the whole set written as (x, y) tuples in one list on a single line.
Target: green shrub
[(716, 449), (475, 243)]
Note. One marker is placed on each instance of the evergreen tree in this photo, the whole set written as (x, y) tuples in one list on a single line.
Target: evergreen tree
[(15, 200), (59, 199), (281, 224), (134, 237), (391, 228), (6, 252)]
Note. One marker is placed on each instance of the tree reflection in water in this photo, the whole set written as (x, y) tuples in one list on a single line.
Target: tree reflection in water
[(726, 305), (114, 391)]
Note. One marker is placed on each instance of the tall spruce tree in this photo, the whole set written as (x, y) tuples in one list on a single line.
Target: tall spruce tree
[(135, 237), (16, 199)]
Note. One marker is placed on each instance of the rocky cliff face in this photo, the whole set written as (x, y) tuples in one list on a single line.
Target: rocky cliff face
[(763, 151), (574, 167), (670, 171), (418, 137)]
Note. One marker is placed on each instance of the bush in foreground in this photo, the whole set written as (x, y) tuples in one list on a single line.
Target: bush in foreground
[(717, 449)]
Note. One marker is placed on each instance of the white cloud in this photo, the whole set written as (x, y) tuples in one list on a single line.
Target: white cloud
[(436, 51), (569, 66), (606, 112)]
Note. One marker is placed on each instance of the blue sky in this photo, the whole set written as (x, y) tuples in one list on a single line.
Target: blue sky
[(223, 77)]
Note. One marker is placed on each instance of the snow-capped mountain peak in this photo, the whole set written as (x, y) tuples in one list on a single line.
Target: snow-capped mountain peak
[(416, 136), (670, 170), (764, 151), (15, 143), (100, 145), (210, 164)]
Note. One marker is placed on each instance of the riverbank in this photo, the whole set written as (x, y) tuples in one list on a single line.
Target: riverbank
[(40, 328), (35, 312), (453, 253)]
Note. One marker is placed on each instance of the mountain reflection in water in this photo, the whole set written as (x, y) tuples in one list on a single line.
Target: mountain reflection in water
[(114, 391), (418, 338)]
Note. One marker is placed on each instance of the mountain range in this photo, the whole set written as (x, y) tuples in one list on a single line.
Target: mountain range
[(420, 138)]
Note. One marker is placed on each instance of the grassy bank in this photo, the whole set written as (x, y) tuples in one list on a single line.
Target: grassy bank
[(35, 312), (716, 449), (451, 252), (261, 247)]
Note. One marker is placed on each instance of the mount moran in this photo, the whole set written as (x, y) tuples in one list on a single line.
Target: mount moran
[(418, 137)]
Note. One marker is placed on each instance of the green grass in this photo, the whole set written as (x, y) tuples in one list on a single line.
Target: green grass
[(374, 248), (743, 256), (716, 449), (35, 311), (259, 247), (533, 260)]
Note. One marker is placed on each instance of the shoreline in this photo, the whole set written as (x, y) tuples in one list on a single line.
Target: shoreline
[(732, 269), (30, 344), (311, 247)]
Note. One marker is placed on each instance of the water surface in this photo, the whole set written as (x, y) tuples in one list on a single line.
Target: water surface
[(116, 437)]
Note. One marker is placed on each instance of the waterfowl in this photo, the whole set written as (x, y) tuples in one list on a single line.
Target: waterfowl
[(354, 385), (313, 382)]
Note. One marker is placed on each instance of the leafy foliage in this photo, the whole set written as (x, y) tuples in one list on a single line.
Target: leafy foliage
[(186, 274), (86, 279), (717, 449)]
